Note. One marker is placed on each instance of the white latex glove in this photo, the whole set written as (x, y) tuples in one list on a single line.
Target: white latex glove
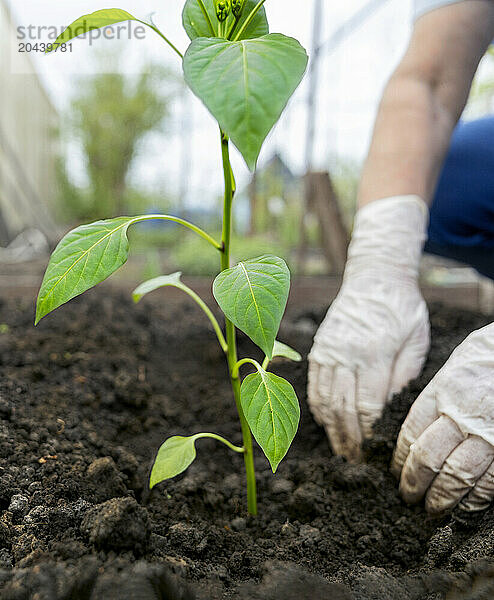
[(445, 449), (375, 337)]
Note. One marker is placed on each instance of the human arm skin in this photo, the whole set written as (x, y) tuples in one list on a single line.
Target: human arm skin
[(424, 100)]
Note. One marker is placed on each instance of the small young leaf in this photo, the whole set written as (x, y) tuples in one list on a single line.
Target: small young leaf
[(284, 351), (197, 25), (158, 282), (253, 295), (95, 20), (178, 453), (174, 457), (272, 411), (245, 84)]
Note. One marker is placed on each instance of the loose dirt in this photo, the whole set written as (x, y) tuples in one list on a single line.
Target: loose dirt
[(87, 398)]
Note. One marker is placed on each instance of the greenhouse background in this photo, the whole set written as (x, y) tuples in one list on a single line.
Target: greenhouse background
[(29, 149), (48, 177)]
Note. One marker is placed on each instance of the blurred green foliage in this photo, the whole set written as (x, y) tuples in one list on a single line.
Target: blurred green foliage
[(192, 257), (345, 175), (109, 119), (276, 202)]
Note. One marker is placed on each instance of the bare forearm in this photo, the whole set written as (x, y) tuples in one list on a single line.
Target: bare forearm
[(424, 100), (410, 140)]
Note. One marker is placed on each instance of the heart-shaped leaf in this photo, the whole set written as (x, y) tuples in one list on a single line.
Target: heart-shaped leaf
[(284, 351), (253, 295), (271, 408), (95, 20), (197, 24), (174, 457), (245, 84)]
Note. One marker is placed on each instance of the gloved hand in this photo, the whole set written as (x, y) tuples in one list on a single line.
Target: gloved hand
[(375, 337), (445, 449)]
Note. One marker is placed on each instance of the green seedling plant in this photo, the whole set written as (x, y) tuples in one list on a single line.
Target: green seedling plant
[(245, 76)]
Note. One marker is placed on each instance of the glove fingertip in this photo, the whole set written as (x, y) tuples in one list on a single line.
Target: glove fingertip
[(351, 451), (396, 466)]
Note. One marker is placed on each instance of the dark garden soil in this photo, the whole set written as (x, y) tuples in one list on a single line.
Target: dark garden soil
[(87, 398)]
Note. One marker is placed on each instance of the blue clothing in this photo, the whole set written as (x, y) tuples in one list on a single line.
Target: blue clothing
[(462, 213)]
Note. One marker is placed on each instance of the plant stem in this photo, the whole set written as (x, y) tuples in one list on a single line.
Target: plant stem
[(209, 315), (246, 361), (191, 226), (221, 439), (248, 20), (206, 16), (231, 333), (138, 294), (162, 35), (228, 36)]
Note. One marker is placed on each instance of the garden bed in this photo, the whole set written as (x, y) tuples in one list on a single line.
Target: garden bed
[(88, 397)]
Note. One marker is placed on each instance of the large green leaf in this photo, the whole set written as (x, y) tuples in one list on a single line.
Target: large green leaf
[(271, 408), (245, 84), (253, 295), (84, 257), (95, 20), (174, 457), (88, 255), (197, 25)]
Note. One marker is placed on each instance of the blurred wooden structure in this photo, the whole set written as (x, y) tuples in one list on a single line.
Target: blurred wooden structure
[(28, 150), (306, 292), (271, 191), (319, 194), (322, 202)]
